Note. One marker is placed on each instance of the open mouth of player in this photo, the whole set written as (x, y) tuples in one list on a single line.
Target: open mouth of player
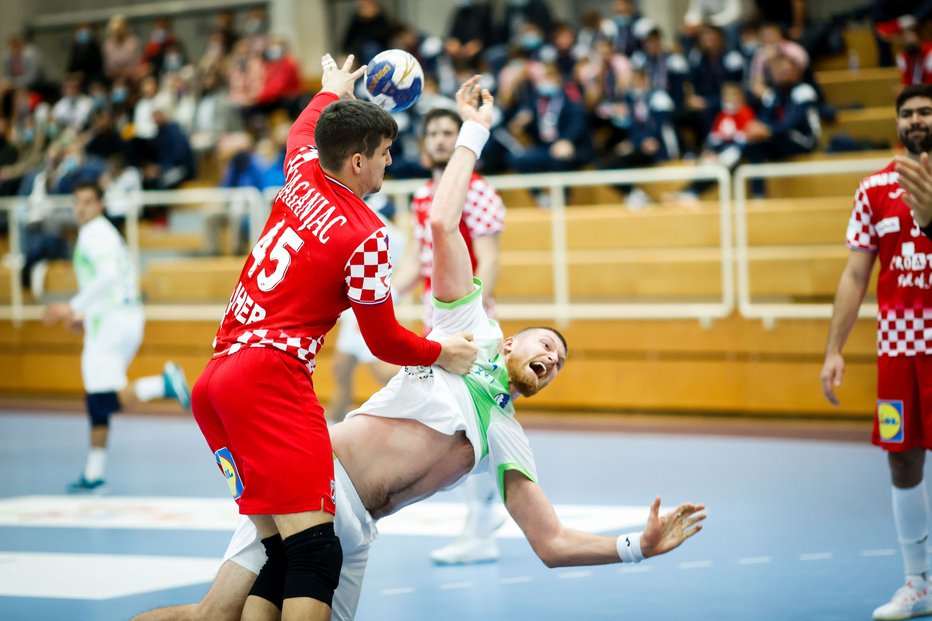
[(538, 368)]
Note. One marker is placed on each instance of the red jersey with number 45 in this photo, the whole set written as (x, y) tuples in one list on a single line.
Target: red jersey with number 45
[(882, 223), (321, 248)]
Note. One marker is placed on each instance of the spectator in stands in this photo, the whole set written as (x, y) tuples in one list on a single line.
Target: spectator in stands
[(85, 57), (179, 89), (368, 32), (605, 78), (214, 57), (213, 114), (161, 39), (225, 31), (281, 85), (174, 161), (22, 65), (772, 43), (245, 75), (9, 154), (710, 66), (666, 70), (724, 14), (144, 125), (790, 15), (256, 30), (122, 51), (561, 49), (512, 31), (650, 137), (470, 32), (122, 185), (104, 140), (621, 26), (726, 142), (30, 145), (788, 120), (592, 27), (74, 108), (174, 59), (120, 103), (914, 59), (555, 124)]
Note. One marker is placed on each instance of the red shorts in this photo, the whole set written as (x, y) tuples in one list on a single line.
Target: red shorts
[(903, 417), (260, 416)]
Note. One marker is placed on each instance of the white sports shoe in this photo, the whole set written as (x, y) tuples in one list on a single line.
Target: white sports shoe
[(909, 602), (466, 551)]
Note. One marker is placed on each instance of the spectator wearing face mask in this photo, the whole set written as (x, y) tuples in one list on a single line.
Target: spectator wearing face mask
[(621, 27), (85, 58), (160, 40), (281, 85), (74, 108)]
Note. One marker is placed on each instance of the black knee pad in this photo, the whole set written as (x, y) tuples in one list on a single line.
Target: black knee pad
[(314, 562), (100, 406), (270, 583)]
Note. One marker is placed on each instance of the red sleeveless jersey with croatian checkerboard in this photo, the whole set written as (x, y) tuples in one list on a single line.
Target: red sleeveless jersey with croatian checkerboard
[(882, 222), (321, 247)]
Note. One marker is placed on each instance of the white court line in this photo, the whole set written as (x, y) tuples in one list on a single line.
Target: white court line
[(694, 565), (635, 569), (754, 560), (816, 556), (398, 591), (517, 580), (455, 585), (880, 552), (569, 575)]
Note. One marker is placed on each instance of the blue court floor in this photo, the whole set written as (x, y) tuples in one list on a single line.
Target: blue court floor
[(797, 529)]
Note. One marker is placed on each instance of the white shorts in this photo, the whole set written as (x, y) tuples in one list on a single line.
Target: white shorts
[(352, 524), (350, 341), (110, 344)]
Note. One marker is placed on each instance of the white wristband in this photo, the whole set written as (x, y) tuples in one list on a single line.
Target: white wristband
[(629, 548), (473, 136)]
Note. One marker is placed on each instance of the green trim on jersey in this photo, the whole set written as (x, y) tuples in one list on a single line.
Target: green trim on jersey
[(463, 300), (83, 265), (502, 468)]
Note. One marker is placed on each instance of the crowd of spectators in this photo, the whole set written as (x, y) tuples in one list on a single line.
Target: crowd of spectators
[(609, 90)]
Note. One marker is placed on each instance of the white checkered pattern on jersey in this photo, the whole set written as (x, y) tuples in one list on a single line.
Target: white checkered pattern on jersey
[(861, 233), (369, 270), (904, 332), (484, 210), (303, 348)]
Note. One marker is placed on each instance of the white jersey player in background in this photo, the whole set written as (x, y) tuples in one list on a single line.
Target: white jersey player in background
[(428, 429), (108, 311)]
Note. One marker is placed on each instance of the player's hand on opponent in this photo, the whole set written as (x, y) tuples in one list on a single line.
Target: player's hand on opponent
[(916, 179), (474, 103), (457, 353), (340, 81), (667, 532), (832, 371)]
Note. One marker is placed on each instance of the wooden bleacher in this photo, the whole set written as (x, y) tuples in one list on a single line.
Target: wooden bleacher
[(735, 365)]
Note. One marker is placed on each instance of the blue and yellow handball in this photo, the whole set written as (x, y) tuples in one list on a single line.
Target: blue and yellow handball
[(394, 80)]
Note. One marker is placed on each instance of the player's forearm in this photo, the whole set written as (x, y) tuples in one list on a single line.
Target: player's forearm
[(574, 548), (390, 341), (848, 299), (105, 279), (446, 210), (302, 132)]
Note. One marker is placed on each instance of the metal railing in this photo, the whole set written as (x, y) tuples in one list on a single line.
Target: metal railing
[(770, 312)]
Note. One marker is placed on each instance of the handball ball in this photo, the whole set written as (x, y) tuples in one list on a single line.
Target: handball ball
[(394, 80)]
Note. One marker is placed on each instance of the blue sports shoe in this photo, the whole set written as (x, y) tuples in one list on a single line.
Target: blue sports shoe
[(176, 386), (83, 486)]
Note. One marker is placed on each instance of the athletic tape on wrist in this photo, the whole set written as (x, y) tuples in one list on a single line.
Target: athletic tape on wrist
[(473, 136), (629, 548)]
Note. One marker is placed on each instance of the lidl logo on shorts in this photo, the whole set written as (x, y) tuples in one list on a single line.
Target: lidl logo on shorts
[(890, 420), (230, 473)]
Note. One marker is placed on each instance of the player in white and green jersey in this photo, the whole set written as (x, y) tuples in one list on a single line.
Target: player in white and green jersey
[(107, 310), (428, 429)]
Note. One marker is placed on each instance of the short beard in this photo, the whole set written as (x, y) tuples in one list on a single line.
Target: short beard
[(524, 381), (924, 145)]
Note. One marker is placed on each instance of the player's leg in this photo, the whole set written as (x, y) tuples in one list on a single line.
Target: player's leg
[(314, 559), (170, 384), (100, 407), (223, 601), (899, 429), (268, 591), (485, 515)]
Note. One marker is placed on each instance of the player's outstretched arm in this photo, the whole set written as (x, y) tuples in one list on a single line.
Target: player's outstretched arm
[(452, 270), (336, 82), (559, 546), (916, 179)]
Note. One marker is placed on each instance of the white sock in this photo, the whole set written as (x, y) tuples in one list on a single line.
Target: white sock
[(149, 388), (95, 465), (483, 495), (911, 515)]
